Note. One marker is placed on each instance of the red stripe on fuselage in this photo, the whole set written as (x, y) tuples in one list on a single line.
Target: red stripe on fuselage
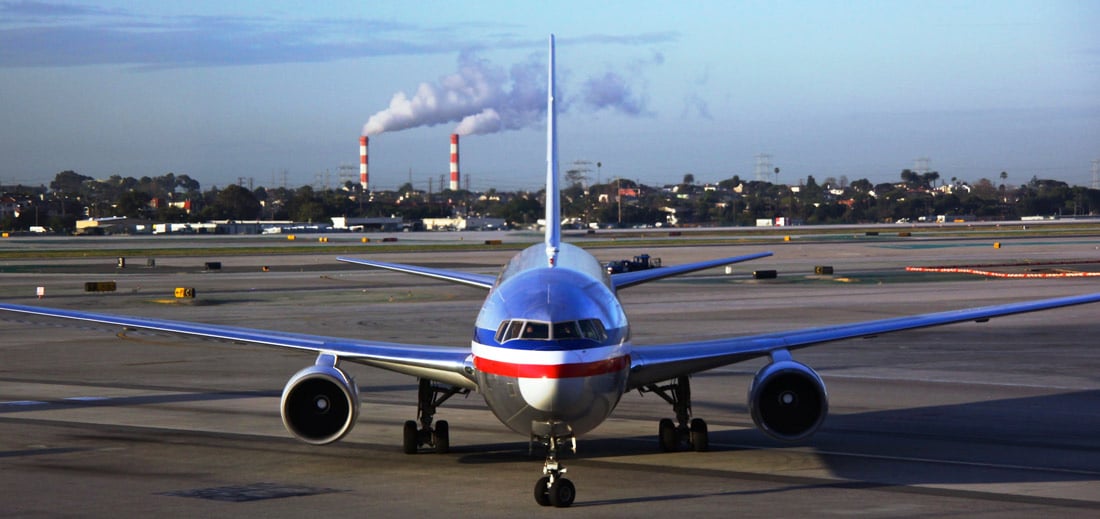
[(583, 369)]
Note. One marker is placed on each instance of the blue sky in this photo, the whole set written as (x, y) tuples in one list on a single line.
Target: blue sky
[(651, 90)]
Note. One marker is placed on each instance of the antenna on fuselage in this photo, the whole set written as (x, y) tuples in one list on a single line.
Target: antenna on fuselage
[(553, 194)]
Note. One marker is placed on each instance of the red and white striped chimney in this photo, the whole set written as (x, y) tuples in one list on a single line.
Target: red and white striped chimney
[(364, 176), (454, 162)]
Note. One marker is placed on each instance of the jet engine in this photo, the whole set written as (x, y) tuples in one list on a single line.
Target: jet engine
[(787, 400), (320, 404)]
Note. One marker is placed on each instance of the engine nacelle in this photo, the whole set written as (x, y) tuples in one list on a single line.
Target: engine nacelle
[(320, 404), (787, 400)]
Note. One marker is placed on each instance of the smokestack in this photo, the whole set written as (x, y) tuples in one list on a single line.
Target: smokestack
[(364, 176), (454, 162)]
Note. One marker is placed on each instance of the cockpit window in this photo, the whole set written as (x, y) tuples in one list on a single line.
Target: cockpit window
[(593, 329), (514, 330), (563, 330), (502, 330), (536, 330), (566, 330)]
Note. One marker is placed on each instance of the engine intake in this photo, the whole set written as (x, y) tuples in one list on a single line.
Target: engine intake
[(320, 404), (787, 400)]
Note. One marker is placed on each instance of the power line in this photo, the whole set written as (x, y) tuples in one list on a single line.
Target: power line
[(763, 168)]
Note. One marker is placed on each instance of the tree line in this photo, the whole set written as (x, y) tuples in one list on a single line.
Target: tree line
[(734, 201)]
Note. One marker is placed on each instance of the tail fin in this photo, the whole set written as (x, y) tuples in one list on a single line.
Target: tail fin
[(553, 192)]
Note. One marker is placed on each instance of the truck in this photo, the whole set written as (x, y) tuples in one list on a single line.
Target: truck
[(640, 262)]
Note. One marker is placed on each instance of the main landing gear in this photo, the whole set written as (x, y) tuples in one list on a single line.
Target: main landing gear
[(552, 489), (690, 432), (429, 397)]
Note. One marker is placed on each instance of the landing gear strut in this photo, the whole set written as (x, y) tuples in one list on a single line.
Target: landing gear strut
[(552, 489), (429, 397), (686, 431)]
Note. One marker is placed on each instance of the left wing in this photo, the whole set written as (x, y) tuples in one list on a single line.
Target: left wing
[(627, 279), (442, 363), (652, 364), (466, 278)]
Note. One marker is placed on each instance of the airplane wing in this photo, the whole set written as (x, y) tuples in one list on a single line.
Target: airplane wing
[(627, 279), (652, 364), (485, 281), (442, 363)]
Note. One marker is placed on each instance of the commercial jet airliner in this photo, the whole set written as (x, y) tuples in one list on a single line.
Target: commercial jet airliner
[(552, 353)]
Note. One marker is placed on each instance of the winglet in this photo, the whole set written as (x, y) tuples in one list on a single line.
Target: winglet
[(553, 193)]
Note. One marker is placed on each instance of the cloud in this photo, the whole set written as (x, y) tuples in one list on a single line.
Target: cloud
[(694, 105), (30, 11), (57, 34)]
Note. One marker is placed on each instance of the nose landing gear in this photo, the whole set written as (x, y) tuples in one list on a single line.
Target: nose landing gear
[(553, 489)]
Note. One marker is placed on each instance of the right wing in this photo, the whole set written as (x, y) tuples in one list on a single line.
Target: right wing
[(629, 279), (451, 365), (485, 281), (651, 364)]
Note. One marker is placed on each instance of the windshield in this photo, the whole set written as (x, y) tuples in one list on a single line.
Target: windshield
[(591, 329)]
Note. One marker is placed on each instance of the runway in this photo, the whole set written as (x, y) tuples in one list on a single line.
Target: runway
[(998, 419)]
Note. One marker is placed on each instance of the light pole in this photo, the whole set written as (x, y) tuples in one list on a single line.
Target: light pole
[(619, 197)]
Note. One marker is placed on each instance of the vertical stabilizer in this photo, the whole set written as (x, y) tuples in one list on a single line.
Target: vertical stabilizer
[(553, 193)]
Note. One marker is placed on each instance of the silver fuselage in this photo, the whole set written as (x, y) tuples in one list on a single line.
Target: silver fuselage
[(565, 382)]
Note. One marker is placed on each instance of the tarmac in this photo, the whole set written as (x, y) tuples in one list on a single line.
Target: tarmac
[(996, 419)]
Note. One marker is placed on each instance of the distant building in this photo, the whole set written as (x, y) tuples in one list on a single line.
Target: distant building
[(463, 224), (9, 206), (380, 223), (114, 225)]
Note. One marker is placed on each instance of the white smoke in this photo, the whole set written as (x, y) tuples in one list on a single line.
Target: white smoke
[(612, 91), (486, 121), (482, 98)]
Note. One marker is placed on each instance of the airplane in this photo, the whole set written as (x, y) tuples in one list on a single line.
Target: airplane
[(552, 353)]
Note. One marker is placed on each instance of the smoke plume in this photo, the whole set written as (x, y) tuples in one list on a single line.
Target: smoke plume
[(482, 98)]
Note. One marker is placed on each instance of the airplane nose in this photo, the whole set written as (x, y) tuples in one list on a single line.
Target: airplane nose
[(554, 395)]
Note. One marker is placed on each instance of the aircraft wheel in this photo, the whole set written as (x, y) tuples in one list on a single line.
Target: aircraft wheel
[(666, 435), (562, 493), (542, 491), (699, 439), (441, 436), (409, 440)]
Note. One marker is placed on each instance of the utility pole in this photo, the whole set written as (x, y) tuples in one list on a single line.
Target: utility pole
[(619, 197)]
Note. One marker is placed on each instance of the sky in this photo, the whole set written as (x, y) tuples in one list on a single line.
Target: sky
[(277, 93)]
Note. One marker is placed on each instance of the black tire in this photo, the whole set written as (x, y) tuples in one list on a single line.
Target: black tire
[(700, 441), (441, 437), (410, 442), (562, 493), (542, 491), (666, 435)]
